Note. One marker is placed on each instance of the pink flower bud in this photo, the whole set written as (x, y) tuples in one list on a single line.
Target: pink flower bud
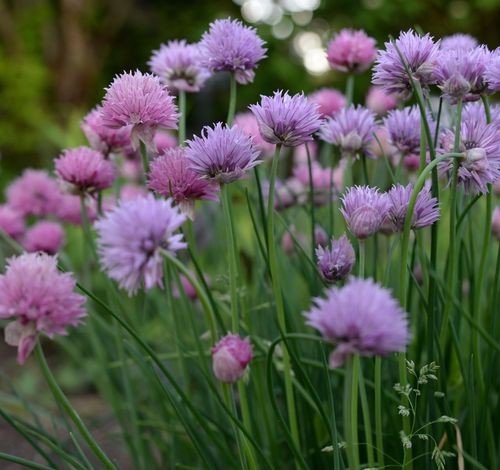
[(495, 223), (230, 357)]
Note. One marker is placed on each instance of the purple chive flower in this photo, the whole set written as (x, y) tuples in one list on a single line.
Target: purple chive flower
[(351, 51), (329, 101), (38, 298), (132, 191), (476, 112), (286, 120), (379, 102), (351, 129), (141, 103), (421, 55), (336, 262), (492, 71), (44, 236), (69, 209), (178, 64), (231, 46), (458, 42), (360, 318), (83, 170), (364, 210), (131, 237), (11, 222), (248, 123), (425, 213), (101, 137), (495, 223), (222, 153), (230, 358), (34, 193), (171, 176)]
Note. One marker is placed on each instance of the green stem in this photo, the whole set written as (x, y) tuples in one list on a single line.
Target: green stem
[(378, 412), (144, 158), (423, 146), (228, 400), (232, 101), (349, 89), (182, 118), (311, 202), (351, 411), (366, 419), (362, 257), (70, 411)]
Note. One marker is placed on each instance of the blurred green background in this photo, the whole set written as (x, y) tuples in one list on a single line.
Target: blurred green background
[(56, 56)]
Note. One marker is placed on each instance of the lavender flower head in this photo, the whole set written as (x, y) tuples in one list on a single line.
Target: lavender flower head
[(141, 103), (178, 64), (131, 237), (360, 318), (38, 298), (231, 46), (364, 210), (83, 170), (458, 42), (421, 54), (475, 112), (287, 120), (230, 358), (248, 123), (329, 100), (44, 236), (379, 102), (492, 72), (34, 193), (351, 51), (222, 153), (11, 222), (425, 212), (171, 176), (336, 262), (351, 129)]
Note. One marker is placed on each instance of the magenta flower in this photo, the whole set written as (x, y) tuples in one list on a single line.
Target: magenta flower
[(132, 191), (351, 51), (171, 176), (495, 223), (83, 170), (421, 55), (364, 210), (379, 102), (187, 287), (248, 123), (360, 318), (222, 153), (163, 141), (34, 193), (178, 64), (11, 222), (492, 72), (69, 209), (44, 236), (230, 358), (336, 262), (351, 129), (231, 46), (329, 101), (131, 237), (38, 298), (140, 103), (458, 42)]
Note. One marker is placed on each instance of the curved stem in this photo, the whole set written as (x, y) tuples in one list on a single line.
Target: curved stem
[(182, 118), (232, 101)]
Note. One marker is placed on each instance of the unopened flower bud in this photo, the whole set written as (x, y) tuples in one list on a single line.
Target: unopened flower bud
[(230, 358)]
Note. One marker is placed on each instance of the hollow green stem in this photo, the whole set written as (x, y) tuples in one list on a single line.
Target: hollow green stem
[(311, 203), (349, 89), (144, 158), (362, 258), (182, 118), (378, 412), (232, 101), (366, 419), (351, 410)]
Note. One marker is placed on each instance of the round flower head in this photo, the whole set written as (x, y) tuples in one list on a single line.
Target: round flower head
[(425, 212), (420, 54), (286, 120), (101, 137), (329, 100), (458, 42), (44, 236), (139, 102), (351, 51), (230, 358), (171, 176), (248, 123), (379, 102), (476, 112), (492, 72), (84, 170), (38, 298), (360, 318), (495, 223), (163, 141), (11, 222), (178, 64), (34, 193), (351, 129), (231, 46), (336, 262), (70, 211), (222, 153), (131, 237), (364, 210)]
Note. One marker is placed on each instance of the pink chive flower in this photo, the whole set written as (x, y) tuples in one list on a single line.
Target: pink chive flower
[(458, 42), (248, 123), (360, 318), (364, 210), (495, 223), (329, 101), (379, 102), (44, 236), (171, 176), (231, 46), (322, 179), (11, 222), (83, 170), (188, 288), (164, 141), (380, 145), (336, 261), (287, 120), (222, 153), (131, 237), (69, 209), (141, 103), (230, 358), (300, 152), (351, 51), (178, 64), (132, 191), (34, 193), (39, 299)]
